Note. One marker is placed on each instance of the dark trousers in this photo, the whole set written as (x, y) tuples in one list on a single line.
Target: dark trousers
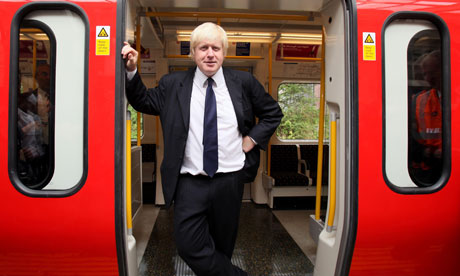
[(206, 214)]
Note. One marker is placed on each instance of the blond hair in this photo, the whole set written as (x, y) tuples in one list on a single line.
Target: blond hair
[(208, 31)]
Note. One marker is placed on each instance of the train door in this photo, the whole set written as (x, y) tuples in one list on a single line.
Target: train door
[(335, 241), (60, 158), (408, 211)]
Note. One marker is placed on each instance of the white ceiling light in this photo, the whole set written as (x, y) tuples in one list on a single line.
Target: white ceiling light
[(262, 37)]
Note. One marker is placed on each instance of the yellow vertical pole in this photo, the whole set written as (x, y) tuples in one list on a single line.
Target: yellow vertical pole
[(34, 63), (157, 128), (138, 128), (218, 21), (138, 49), (270, 49), (319, 171), (129, 220), (333, 148)]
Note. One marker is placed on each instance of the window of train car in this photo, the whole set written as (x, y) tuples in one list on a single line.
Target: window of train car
[(35, 105), (424, 108), (416, 105), (300, 105), (134, 123), (48, 122)]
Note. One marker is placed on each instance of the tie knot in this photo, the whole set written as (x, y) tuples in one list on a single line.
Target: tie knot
[(210, 81)]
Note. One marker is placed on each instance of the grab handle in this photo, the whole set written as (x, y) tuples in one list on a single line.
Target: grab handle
[(333, 166), (129, 220), (322, 107)]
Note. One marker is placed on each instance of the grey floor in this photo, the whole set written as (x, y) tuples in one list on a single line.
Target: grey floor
[(296, 224), (143, 223), (269, 242)]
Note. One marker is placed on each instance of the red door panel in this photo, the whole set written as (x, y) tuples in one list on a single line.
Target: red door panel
[(402, 234), (72, 233)]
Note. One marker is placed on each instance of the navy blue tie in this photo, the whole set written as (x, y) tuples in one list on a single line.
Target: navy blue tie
[(210, 156)]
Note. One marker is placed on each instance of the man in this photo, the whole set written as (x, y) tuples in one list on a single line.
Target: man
[(427, 130), (43, 94), (33, 134), (37, 101), (211, 145)]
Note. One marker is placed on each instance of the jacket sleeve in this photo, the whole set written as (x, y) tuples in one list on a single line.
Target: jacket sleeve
[(148, 101), (266, 109)]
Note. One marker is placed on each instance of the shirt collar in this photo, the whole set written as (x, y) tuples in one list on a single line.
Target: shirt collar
[(202, 79)]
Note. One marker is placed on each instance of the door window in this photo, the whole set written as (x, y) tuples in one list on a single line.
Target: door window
[(416, 104), (48, 129)]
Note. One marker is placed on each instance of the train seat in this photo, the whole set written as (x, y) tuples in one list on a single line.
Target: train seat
[(286, 166), (289, 174), (148, 162), (309, 153), (148, 173)]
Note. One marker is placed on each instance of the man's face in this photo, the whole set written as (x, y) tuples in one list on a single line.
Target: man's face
[(209, 56), (43, 77)]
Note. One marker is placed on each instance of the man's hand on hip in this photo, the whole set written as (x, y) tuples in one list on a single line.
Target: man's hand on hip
[(248, 144)]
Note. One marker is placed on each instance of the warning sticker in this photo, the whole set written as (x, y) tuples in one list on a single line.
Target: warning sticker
[(102, 40), (368, 46), (103, 33)]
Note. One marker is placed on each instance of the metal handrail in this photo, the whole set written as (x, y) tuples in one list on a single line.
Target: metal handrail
[(319, 168), (332, 186), (227, 57), (129, 219), (270, 78), (138, 49), (229, 15), (301, 58)]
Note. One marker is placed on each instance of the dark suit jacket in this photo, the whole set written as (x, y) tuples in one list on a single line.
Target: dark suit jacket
[(171, 100)]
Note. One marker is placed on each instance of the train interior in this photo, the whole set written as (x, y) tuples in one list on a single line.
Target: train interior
[(285, 44), (293, 215)]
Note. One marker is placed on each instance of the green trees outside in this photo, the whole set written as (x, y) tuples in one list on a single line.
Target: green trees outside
[(134, 123), (300, 105)]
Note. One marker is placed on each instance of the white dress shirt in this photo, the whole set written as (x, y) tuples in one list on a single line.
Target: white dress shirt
[(230, 141), (230, 151)]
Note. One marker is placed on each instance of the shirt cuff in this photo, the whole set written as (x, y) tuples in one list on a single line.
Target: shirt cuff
[(130, 75), (253, 140)]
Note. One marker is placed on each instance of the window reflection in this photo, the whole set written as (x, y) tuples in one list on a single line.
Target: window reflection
[(425, 113), (34, 109)]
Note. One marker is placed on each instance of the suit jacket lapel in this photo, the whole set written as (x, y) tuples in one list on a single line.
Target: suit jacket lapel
[(236, 94), (184, 96)]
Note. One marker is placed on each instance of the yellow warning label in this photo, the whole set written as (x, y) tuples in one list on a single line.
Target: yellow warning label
[(102, 40), (369, 46), (368, 39), (103, 33), (103, 47), (369, 52)]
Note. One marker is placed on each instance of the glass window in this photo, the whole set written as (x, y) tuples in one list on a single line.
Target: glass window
[(35, 106), (48, 115), (424, 108), (416, 103), (300, 104), (134, 123)]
